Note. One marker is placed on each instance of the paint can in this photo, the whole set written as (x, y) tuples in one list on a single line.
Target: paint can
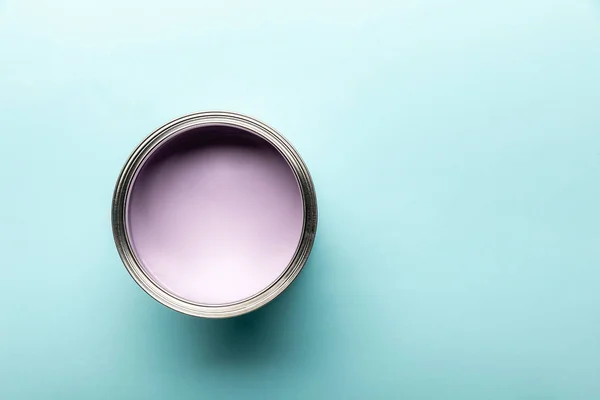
[(214, 214)]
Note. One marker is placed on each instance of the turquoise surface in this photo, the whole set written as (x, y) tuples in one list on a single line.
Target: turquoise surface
[(455, 148)]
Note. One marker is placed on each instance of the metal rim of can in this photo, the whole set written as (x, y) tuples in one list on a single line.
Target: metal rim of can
[(129, 173)]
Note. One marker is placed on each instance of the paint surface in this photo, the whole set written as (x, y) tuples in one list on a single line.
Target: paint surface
[(215, 215)]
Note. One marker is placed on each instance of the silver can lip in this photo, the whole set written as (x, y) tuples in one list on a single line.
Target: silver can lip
[(153, 142)]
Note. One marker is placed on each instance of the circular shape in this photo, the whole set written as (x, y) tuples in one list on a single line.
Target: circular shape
[(214, 214)]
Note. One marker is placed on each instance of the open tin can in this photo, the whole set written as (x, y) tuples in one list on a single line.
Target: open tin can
[(214, 214)]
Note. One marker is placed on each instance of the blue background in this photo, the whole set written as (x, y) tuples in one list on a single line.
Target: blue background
[(455, 148)]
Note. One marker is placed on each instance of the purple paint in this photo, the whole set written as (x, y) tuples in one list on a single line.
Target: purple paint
[(215, 215)]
